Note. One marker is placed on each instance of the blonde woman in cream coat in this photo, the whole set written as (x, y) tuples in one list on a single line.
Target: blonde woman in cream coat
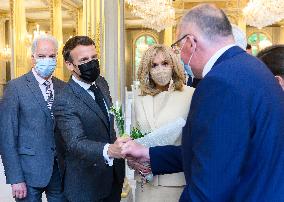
[(162, 99)]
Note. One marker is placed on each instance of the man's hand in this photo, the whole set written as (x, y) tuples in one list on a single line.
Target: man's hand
[(140, 166), (114, 150), (135, 150), (19, 190)]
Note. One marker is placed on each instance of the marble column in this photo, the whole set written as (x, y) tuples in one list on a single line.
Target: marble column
[(98, 26), (80, 21), (113, 60), (241, 20), (19, 61), (168, 36), (2, 63), (281, 35), (87, 18), (56, 30)]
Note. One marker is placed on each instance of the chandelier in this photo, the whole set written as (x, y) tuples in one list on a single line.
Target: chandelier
[(5, 54), (261, 13), (155, 14), (36, 33)]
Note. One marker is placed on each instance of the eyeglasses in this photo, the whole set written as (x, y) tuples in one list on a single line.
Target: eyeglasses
[(176, 46)]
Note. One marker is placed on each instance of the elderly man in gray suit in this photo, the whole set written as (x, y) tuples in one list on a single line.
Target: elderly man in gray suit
[(87, 143), (27, 128)]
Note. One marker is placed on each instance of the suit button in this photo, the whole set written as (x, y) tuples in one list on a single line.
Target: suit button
[(95, 164)]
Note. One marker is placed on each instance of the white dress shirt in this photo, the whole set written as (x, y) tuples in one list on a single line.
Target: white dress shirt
[(41, 85), (87, 86), (214, 58)]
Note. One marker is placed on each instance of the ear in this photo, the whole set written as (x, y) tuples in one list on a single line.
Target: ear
[(33, 60), (69, 66), (192, 41), (280, 81)]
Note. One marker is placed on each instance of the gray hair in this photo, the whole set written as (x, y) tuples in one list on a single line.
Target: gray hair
[(44, 38), (211, 21), (239, 36)]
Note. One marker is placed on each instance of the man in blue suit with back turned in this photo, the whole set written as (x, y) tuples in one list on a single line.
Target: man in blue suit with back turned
[(233, 142)]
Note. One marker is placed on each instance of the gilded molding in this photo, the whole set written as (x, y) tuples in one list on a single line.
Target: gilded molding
[(51, 5), (97, 39)]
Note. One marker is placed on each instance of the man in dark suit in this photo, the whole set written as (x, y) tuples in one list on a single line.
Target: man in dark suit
[(87, 138), (232, 144), (26, 128)]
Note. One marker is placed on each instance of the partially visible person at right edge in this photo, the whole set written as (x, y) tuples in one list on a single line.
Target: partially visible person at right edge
[(233, 142), (273, 57)]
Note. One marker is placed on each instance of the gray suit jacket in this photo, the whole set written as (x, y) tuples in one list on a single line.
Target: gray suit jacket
[(83, 130), (26, 132)]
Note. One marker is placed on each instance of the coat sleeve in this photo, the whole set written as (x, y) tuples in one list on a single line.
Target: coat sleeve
[(166, 159), (9, 115), (70, 129)]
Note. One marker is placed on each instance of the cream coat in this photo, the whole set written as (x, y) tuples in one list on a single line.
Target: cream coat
[(152, 112)]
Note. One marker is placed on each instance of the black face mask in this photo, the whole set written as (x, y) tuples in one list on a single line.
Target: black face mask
[(90, 71)]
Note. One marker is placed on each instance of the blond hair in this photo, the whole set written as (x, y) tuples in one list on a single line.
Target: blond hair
[(147, 85)]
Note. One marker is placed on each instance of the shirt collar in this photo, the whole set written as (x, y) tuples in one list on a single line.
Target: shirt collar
[(214, 58), (39, 79), (84, 85)]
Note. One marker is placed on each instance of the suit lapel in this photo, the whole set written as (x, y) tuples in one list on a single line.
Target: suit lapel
[(107, 99), (88, 100), (34, 87)]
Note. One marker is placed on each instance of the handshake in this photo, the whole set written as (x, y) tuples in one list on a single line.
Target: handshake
[(137, 155)]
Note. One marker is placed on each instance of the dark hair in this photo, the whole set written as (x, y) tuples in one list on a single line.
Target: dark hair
[(273, 57), (211, 21), (73, 43), (248, 47)]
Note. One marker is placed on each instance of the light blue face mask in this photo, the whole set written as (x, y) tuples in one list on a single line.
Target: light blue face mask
[(45, 66), (187, 68)]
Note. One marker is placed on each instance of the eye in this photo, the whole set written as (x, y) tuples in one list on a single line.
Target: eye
[(52, 56), (41, 56), (154, 65), (83, 60), (165, 63), (94, 57)]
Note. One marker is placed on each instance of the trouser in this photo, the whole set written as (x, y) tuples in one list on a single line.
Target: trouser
[(115, 194), (53, 190)]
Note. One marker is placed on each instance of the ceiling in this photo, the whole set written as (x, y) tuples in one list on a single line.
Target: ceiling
[(37, 11), (233, 9)]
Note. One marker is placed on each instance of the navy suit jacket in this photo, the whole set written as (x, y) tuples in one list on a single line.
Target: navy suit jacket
[(82, 130), (233, 143)]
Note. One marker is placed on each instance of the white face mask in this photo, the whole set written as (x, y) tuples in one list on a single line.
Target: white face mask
[(161, 75)]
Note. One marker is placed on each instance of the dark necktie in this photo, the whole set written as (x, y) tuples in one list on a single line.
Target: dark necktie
[(99, 99), (189, 81), (195, 82), (50, 97)]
